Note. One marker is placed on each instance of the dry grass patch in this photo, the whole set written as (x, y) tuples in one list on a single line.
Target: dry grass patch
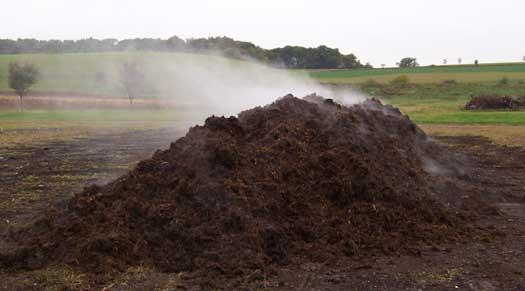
[(509, 135), (429, 278)]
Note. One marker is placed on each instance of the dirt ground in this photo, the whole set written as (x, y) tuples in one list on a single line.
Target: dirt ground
[(507, 135), (32, 177), (40, 101)]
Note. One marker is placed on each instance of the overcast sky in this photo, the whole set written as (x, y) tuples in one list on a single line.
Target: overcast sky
[(378, 31)]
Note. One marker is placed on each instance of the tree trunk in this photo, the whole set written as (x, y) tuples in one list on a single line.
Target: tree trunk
[(21, 104), (129, 96)]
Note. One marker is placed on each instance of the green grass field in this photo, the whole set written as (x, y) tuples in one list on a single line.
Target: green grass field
[(443, 104), (424, 103), (447, 111), (426, 100)]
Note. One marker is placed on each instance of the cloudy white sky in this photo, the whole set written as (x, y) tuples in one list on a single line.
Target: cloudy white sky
[(378, 31)]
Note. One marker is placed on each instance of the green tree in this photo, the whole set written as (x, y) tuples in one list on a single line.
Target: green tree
[(408, 63), (349, 62), (21, 78), (323, 57), (175, 43)]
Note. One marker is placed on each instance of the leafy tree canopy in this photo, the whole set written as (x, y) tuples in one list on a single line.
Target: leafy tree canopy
[(408, 63), (22, 77)]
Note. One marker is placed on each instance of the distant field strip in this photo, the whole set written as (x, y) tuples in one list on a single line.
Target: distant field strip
[(98, 73), (423, 78), (465, 117), (424, 74)]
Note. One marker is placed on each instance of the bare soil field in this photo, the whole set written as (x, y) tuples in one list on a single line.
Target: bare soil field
[(34, 177)]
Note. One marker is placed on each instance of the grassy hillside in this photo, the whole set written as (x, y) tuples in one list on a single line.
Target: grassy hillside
[(98, 73), (463, 73)]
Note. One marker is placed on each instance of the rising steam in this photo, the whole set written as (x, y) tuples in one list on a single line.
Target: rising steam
[(220, 86), (198, 85)]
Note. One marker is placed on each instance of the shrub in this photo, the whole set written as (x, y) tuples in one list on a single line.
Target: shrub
[(504, 81), (370, 84), (449, 82), (400, 82), (371, 87), (390, 90)]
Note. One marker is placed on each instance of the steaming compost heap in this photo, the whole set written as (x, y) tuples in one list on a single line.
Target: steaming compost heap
[(297, 180)]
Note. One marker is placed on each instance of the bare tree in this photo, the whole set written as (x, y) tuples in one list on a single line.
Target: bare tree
[(132, 79), (21, 78), (459, 61), (445, 61)]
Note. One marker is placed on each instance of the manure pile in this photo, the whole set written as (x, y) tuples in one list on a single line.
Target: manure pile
[(495, 102), (299, 180)]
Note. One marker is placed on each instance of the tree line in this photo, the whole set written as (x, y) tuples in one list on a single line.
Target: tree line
[(295, 57)]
